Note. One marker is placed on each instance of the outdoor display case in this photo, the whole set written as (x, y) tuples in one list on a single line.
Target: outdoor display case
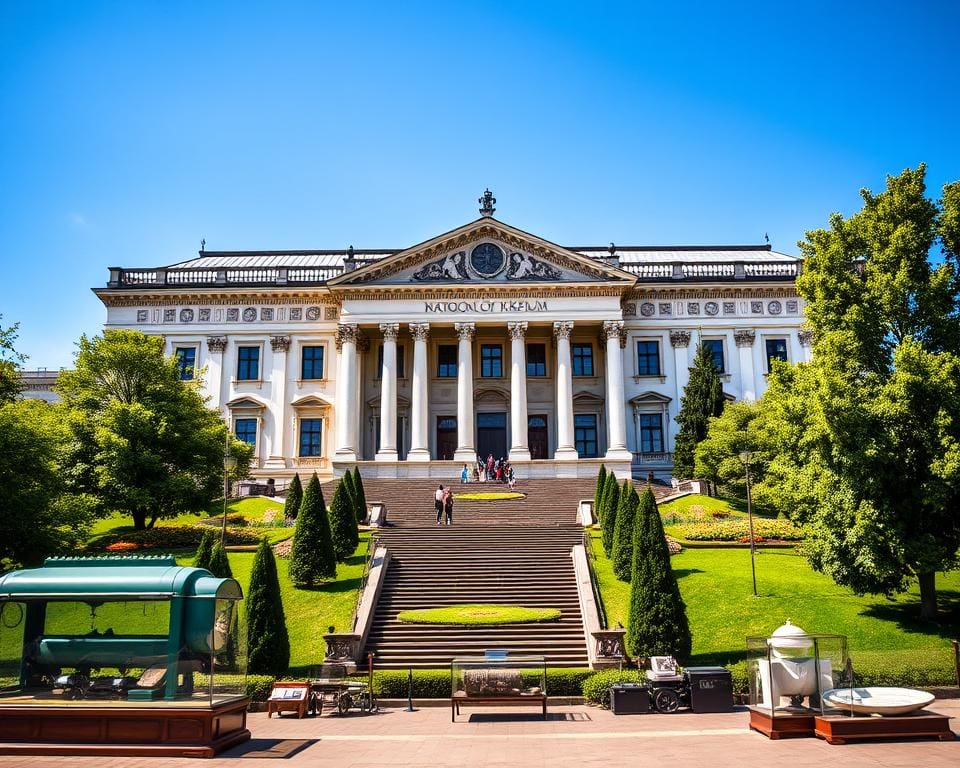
[(120, 655), (498, 679)]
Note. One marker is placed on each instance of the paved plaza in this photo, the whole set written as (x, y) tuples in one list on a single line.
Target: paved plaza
[(572, 736)]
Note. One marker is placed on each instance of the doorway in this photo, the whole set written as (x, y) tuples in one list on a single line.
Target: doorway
[(446, 437), (537, 436), (492, 434)]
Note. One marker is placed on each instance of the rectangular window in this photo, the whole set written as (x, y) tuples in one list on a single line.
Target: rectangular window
[(536, 359), (248, 363), (716, 350), (585, 435), (186, 361), (491, 361), (447, 361), (311, 363), (310, 433), (651, 433), (776, 350), (246, 430), (648, 358), (399, 362), (582, 359)]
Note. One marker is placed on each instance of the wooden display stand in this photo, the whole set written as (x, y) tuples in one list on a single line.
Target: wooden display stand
[(786, 725), (130, 731), (839, 729), (289, 697)]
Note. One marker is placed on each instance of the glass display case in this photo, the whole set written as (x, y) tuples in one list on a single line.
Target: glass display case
[(498, 679)]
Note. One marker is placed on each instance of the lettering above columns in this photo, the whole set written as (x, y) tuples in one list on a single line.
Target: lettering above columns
[(562, 330), (390, 331), (680, 338), (280, 343), (216, 343), (465, 331), (517, 330), (744, 337), (420, 331), (806, 336), (614, 329), (347, 333), (484, 307)]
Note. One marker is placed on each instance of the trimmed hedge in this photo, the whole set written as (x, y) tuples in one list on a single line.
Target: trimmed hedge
[(596, 687), (436, 684), (733, 530), (171, 537)]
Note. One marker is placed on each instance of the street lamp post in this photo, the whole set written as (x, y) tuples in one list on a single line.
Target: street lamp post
[(745, 457), (229, 462)]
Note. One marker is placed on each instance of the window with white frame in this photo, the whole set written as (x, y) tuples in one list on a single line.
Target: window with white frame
[(186, 358), (248, 363), (648, 357), (715, 347)]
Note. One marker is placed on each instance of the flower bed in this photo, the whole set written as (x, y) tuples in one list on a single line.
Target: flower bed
[(166, 537), (471, 614), (739, 529)]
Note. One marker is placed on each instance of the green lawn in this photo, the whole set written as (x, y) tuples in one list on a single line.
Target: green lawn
[(716, 586)]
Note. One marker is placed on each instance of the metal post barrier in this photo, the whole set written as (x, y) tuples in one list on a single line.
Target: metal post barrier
[(410, 690)]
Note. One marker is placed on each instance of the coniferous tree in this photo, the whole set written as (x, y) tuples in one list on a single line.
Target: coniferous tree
[(268, 644), (702, 398), (598, 492), (291, 505), (312, 559), (202, 558), (611, 500), (343, 523), (361, 498), (622, 554), (657, 621), (219, 564)]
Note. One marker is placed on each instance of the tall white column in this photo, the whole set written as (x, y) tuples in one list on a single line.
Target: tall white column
[(616, 407), (388, 394), (419, 429), (519, 450), (346, 405), (565, 447), (216, 345), (279, 346), (680, 341), (744, 339), (466, 452)]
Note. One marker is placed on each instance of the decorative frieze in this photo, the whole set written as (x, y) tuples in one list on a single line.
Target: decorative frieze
[(562, 330), (216, 343), (647, 309), (679, 338), (280, 343), (744, 337)]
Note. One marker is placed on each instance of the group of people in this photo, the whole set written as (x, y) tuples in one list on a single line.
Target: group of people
[(492, 470), (443, 504)]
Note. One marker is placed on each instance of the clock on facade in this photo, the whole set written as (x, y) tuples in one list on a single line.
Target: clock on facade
[(487, 259)]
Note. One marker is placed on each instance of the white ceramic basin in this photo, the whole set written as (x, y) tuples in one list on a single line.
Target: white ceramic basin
[(878, 701)]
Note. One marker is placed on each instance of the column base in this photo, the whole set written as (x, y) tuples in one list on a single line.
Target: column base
[(466, 456), (519, 454), (345, 454), (418, 454), (386, 456), (275, 462), (566, 454), (618, 454)]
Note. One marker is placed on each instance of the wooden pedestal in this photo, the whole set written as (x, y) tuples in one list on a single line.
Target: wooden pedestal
[(785, 725), (839, 729), (147, 731)]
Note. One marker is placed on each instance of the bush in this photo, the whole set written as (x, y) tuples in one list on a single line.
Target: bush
[(219, 564), (609, 505), (201, 558), (621, 555), (312, 558), (258, 686), (598, 492), (596, 687), (361, 496), (170, 537), (291, 504), (343, 522), (733, 530)]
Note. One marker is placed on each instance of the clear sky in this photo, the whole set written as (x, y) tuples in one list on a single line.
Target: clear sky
[(131, 130)]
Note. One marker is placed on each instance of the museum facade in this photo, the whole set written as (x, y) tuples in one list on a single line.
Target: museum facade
[(483, 340)]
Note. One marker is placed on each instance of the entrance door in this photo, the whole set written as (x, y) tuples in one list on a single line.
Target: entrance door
[(446, 437), (492, 434), (537, 436)]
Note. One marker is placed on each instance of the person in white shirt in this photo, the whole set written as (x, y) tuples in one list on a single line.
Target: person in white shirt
[(438, 504)]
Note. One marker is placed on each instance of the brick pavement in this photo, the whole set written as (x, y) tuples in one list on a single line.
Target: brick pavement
[(573, 736)]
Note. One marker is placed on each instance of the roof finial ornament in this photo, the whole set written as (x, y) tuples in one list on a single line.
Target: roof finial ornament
[(487, 201), (766, 237), (203, 245)]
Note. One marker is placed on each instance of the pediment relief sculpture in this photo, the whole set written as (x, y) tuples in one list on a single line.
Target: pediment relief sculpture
[(486, 261)]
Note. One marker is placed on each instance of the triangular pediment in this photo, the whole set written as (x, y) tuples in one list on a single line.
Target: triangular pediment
[(246, 403), (483, 252)]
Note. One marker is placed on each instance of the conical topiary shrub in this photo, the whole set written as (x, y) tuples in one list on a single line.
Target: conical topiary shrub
[(343, 524), (293, 500), (361, 498), (657, 621), (311, 556), (611, 500), (202, 557), (598, 492), (268, 644), (219, 564), (622, 552)]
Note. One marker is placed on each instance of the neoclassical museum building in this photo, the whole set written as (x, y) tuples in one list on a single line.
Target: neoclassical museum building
[(484, 339)]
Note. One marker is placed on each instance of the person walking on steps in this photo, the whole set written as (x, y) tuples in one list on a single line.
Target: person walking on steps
[(448, 506), (464, 474), (438, 504)]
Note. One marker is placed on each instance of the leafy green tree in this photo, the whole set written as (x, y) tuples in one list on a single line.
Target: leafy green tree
[(622, 553), (268, 644), (343, 523), (294, 498), (741, 427), (657, 620), (611, 501), (10, 362), (361, 498), (201, 558), (701, 399), (312, 558), (144, 443), (219, 563), (598, 493), (870, 429)]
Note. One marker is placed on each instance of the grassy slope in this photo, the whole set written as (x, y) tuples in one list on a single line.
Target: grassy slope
[(716, 586)]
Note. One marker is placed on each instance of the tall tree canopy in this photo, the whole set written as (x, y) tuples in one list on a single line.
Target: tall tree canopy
[(869, 431), (144, 443), (10, 362), (702, 398)]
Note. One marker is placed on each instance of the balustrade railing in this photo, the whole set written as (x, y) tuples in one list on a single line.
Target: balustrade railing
[(591, 566), (665, 457), (233, 276)]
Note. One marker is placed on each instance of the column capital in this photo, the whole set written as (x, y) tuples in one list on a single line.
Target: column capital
[(420, 331), (517, 330), (465, 331), (347, 332), (217, 343), (744, 337), (390, 331), (679, 338), (614, 329), (563, 329), (805, 335), (280, 343)]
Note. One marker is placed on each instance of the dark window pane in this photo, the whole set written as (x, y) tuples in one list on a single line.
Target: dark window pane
[(248, 363), (447, 361), (536, 359), (585, 435), (648, 358), (492, 420), (491, 360), (716, 350), (310, 434), (776, 350), (311, 366), (186, 361), (582, 359), (446, 422), (651, 433), (537, 421), (246, 430)]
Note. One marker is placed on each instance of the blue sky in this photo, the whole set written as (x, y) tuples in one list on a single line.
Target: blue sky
[(131, 130)]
